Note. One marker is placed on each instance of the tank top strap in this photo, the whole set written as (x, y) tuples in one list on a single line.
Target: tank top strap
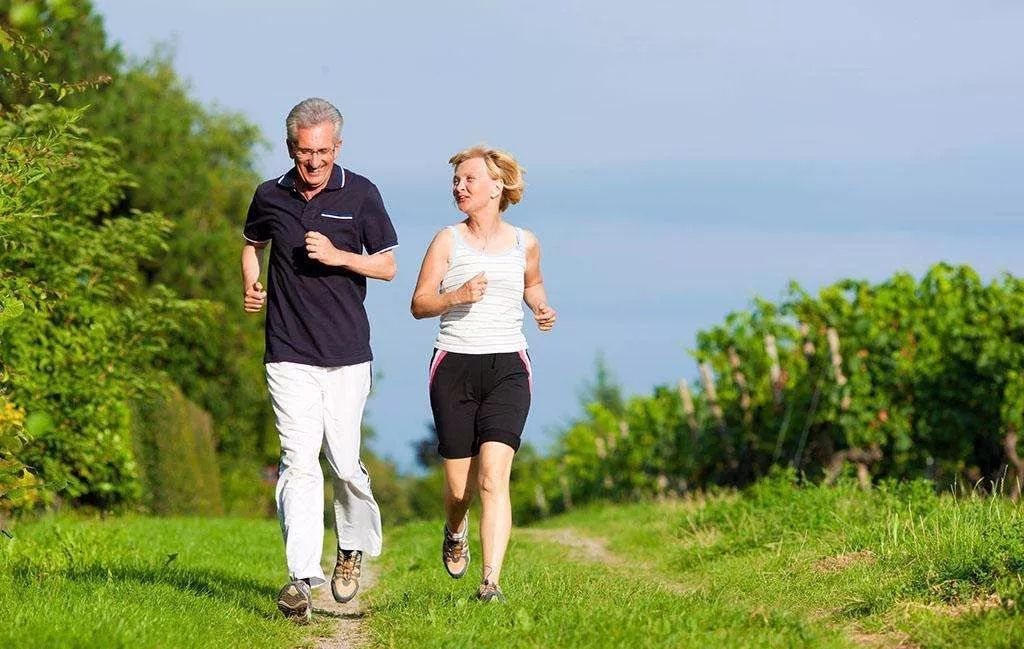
[(456, 237), (520, 239)]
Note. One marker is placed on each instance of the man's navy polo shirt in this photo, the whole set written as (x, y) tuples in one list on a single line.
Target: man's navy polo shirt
[(315, 313)]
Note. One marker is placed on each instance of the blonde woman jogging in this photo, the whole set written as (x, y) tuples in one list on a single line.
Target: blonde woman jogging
[(475, 275)]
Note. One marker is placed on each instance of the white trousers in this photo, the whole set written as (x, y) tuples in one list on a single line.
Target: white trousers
[(321, 407)]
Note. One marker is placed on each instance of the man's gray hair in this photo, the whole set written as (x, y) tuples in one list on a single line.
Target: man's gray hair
[(310, 112)]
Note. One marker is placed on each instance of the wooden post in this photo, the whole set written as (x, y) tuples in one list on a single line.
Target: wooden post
[(563, 482), (741, 383), (662, 485), (688, 410), (837, 365), (775, 370), (805, 335), (541, 499), (708, 378), (1010, 448), (837, 358)]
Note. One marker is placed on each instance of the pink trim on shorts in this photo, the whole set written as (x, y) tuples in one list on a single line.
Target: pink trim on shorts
[(433, 366), (529, 367)]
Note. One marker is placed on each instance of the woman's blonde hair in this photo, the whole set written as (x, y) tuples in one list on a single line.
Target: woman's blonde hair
[(501, 166)]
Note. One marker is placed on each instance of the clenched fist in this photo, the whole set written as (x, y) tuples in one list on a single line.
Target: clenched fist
[(545, 317), (473, 290), (254, 298), (320, 248)]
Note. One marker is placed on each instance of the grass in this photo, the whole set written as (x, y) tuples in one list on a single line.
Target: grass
[(898, 564), (555, 602), (143, 582), (774, 566)]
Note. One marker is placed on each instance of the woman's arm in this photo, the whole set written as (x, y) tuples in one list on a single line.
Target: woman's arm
[(534, 294), (427, 301)]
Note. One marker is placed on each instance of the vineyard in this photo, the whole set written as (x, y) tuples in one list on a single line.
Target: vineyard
[(899, 379)]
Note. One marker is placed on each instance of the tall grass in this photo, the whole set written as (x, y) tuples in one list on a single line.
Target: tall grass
[(898, 561)]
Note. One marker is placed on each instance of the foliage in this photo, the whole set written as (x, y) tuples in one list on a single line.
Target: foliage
[(178, 466), (903, 378), (19, 488), (93, 331), (191, 164), (52, 50)]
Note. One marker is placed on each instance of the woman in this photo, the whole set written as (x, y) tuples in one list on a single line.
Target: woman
[(475, 275)]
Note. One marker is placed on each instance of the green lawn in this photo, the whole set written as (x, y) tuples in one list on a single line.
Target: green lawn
[(774, 566), (143, 582), (778, 566), (897, 564)]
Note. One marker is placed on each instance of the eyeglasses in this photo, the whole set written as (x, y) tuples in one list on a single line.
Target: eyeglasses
[(306, 154)]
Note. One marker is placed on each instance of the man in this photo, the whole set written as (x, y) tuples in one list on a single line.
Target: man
[(320, 219)]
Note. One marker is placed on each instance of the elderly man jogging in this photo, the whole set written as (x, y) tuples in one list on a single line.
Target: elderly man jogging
[(319, 219)]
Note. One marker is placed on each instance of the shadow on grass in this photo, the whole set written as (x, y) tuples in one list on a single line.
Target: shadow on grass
[(339, 616), (246, 594)]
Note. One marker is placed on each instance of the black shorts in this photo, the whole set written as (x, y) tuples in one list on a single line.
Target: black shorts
[(478, 398)]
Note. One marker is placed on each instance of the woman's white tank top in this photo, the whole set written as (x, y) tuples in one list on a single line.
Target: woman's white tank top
[(493, 325)]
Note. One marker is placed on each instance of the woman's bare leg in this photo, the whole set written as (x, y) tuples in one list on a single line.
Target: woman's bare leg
[(459, 482), (496, 515)]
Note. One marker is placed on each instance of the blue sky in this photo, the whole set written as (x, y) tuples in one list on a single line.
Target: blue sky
[(682, 157)]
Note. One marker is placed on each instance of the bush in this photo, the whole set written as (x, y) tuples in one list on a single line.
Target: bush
[(173, 441)]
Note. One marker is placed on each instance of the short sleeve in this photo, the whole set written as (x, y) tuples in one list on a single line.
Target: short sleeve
[(376, 232), (257, 222)]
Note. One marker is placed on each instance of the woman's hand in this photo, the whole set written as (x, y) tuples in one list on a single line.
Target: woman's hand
[(545, 317), (473, 290)]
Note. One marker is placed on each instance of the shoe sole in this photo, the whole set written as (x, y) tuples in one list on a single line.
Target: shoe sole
[(341, 599), (298, 612), (495, 597)]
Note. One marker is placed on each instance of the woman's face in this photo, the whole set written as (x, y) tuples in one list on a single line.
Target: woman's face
[(472, 186)]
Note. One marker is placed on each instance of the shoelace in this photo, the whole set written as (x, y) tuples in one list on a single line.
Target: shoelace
[(453, 548), (488, 588), (347, 566)]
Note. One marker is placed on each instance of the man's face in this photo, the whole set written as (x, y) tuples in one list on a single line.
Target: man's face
[(314, 151)]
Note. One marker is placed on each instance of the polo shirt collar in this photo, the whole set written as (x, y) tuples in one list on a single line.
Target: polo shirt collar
[(336, 181)]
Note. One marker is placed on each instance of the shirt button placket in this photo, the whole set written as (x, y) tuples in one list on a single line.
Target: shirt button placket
[(309, 217)]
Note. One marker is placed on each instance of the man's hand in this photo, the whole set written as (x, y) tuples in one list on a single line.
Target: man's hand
[(545, 317), (255, 297), (473, 290), (320, 248)]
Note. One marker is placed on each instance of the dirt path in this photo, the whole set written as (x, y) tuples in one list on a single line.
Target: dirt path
[(347, 621), (594, 550)]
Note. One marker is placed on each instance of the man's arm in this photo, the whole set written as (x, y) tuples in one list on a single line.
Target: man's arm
[(253, 295), (379, 266)]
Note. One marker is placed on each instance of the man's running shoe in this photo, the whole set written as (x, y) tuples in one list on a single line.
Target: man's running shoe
[(455, 550), (345, 583), (489, 592), (295, 601)]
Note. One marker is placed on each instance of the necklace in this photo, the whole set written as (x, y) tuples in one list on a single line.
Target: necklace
[(479, 236)]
